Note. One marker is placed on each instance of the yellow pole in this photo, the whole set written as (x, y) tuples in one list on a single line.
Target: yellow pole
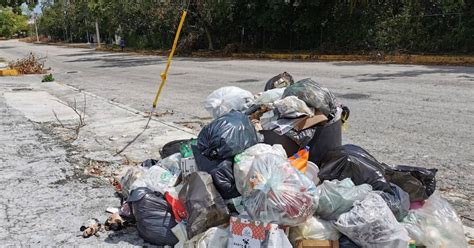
[(164, 74)]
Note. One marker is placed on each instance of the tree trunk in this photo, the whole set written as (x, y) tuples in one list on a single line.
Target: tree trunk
[(209, 38), (97, 32)]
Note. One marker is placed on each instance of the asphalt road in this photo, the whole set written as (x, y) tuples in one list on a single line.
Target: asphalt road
[(402, 114)]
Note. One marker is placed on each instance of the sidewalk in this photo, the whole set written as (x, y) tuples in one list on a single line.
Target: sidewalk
[(46, 196)]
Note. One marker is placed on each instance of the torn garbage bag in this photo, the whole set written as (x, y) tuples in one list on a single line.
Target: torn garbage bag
[(315, 228), (337, 197), (205, 208), (154, 217), (275, 192), (281, 80), (227, 136), (370, 223), (313, 95), (398, 201), (226, 99), (292, 107), (418, 182), (243, 162), (223, 178), (351, 161), (435, 225)]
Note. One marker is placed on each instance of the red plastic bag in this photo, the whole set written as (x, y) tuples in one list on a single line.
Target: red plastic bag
[(300, 159), (177, 207)]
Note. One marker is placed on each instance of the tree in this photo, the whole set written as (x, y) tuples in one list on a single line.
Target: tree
[(11, 23)]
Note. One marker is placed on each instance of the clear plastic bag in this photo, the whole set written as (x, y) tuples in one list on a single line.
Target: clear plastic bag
[(243, 162), (315, 228), (398, 201), (275, 192), (171, 163), (435, 225), (370, 223), (337, 197), (225, 99), (292, 107), (313, 95), (157, 179)]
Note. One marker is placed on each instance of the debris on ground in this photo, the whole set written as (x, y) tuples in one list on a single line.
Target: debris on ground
[(270, 170), (28, 65)]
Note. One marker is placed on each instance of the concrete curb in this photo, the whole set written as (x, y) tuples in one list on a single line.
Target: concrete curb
[(9, 72)]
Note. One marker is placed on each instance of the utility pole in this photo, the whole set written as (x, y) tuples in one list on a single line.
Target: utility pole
[(97, 32)]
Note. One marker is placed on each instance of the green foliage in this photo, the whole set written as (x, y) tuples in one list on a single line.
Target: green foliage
[(326, 26), (48, 78), (11, 23)]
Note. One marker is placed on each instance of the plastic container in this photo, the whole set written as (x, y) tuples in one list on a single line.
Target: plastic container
[(326, 138)]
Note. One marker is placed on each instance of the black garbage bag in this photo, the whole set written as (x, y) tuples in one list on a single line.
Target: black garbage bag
[(398, 201), (314, 95), (153, 216), (172, 147), (149, 163), (345, 242), (351, 161), (205, 207), (226, 136), (279, 81), (419, 183), (223, 178), (303, 137)]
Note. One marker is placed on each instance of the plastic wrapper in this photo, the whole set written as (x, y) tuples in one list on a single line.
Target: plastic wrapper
[(282, 126), (275, 192), (226, 99), (351, 161), (243, 162), (127, 180), (370, 223), (153, 216), (281, 80), (157, 179), (398, 201), (303, 137), (223, 178), (313, 95), (227, 136), (435, 225), (418, 182), (292, 107), (337, 197), (205, 207), (315, 228), (270, 96)]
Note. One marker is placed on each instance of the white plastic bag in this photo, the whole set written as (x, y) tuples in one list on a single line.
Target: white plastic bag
[(277, 238), (315, 228), (214, 237), (371, 223), (276, 192), (270, 96), (292, 107), (337, 197), (435, 225), (225, 99), (243, 161), (156, 179)]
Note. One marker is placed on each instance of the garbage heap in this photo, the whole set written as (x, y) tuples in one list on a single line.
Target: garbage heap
[(270, 171)]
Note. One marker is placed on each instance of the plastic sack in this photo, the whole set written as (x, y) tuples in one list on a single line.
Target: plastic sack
[(292, 107), (223, 178), (279, 81), (205, 208), (351, 161), (153, 216), (270, 96), (303, 137), (227, 136), (313, 95), (300, 159), (345, 242), (157, 179), (177, 207), (370, 223), (172, 163), (243, 162), (418, 182), (226, 99), (126, 181), (276, 238), (315, 228), (337, 197), (398, 201), (435, 225), (275, 192)]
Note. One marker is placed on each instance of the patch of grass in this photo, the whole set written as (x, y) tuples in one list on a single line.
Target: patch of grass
[(48, 78)]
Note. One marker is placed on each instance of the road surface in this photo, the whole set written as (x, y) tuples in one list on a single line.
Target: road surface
[(402, 114)]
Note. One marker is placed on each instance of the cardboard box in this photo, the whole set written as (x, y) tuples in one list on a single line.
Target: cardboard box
[(308, 122), (317, 244), (188, 166), (246, 233)]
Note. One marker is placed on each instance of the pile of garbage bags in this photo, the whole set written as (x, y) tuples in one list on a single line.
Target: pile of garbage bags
[(270, 171)]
